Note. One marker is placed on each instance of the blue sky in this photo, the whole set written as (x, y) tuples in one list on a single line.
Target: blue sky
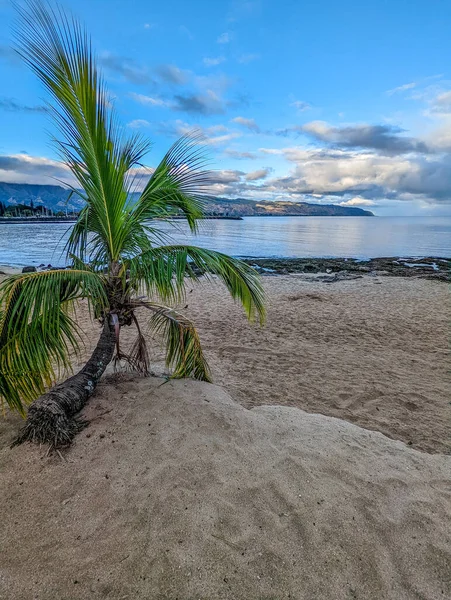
[(330, 102)]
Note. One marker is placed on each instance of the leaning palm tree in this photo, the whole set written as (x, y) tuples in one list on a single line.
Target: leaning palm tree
[(120, 260)]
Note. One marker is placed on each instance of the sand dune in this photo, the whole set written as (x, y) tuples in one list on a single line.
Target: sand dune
[(176, 491), (373, 351)]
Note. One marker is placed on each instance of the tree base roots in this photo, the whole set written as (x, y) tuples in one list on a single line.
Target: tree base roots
[(57, 430)]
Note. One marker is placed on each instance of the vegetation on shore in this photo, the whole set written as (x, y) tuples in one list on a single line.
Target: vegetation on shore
[(10, 212)]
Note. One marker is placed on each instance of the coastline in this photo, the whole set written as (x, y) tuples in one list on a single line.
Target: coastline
[(431, 267), (45, 220)]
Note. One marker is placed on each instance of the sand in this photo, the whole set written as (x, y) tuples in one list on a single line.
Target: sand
[(373, 351), (186, 490), (177, 491)]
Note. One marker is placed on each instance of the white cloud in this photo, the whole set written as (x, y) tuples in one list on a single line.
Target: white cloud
[(247, 123), (257, 175), (213, 62), (442, 103), (300, 105), (344, 177), (227, 176), (148, 100), (245, 59), (225, 38), (23, 168), (138, 124), (215, 135), (386, 139), (357, 201), (221, 139), (239, 155), (173, 74), (126, 68), (207, 103), (351, 173), (402, 88)]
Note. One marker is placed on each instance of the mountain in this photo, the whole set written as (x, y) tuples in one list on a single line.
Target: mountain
[(247, 208), (50, 196), (57, 198)]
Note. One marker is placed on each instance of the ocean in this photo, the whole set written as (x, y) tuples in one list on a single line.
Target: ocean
[(358, 237)]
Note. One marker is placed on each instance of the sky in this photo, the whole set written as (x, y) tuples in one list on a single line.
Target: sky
[(320, 101)]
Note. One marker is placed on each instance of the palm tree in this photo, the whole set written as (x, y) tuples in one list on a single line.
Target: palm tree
[(118, 261)]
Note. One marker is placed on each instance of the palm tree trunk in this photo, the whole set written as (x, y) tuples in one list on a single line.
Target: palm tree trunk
[(52, 418)]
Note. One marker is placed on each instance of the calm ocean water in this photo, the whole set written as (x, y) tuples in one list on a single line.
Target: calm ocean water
[(359, 237)]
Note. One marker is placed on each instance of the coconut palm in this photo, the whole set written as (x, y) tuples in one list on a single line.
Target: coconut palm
[(120, 260)]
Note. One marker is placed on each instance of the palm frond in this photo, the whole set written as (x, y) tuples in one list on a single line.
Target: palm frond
[(37, 333), (183, 349), (176, 185), (163, 271), (94, 147)]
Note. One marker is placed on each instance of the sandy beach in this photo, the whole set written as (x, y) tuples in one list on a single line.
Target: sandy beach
[(178, 490), (373, 351)]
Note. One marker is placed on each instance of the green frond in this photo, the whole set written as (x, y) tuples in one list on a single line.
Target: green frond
[(37, 333), (163, 271), (176, 185), (95, 148), (183, 349)]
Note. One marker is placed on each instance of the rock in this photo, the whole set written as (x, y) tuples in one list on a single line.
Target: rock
[(340, 276), (310, 268), (29, 270), (328, 278)]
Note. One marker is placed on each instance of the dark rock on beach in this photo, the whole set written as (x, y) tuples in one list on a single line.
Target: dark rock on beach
[(429, 268)]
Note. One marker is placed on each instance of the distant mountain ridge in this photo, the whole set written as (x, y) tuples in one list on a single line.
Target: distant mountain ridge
[(51, 196), (58, 198), (263, 208)]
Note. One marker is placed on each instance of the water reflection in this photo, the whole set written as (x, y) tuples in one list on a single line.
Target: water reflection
[(22, 244)]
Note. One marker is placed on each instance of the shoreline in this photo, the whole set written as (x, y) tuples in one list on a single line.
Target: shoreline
[(431, 267), (44, 220)]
